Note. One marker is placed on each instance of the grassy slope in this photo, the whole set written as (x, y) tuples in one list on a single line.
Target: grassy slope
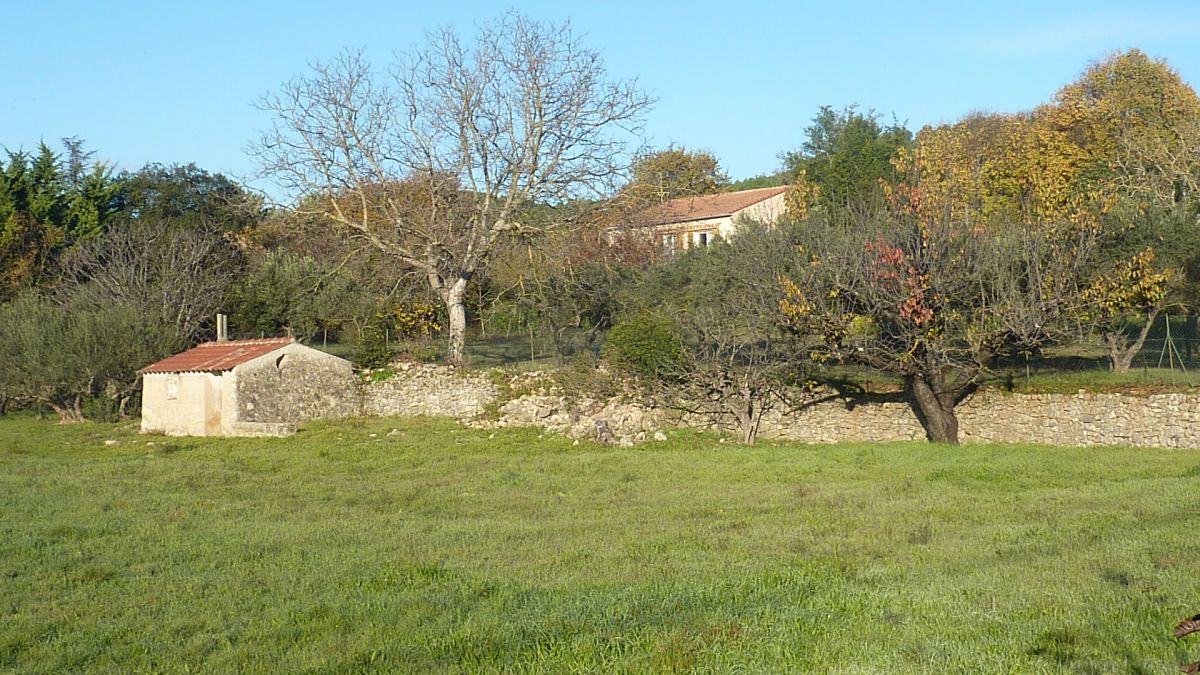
[(445, 549)]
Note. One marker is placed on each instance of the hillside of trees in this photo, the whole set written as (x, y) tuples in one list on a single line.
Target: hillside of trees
[(929, 255)]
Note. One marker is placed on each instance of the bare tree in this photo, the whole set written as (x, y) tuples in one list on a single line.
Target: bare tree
[(434, 162), (733, 373), (178, 276)]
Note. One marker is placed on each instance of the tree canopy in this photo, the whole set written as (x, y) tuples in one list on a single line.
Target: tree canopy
[(846, 155)]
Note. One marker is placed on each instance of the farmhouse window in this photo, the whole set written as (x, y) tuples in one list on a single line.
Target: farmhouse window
[(172, 387), (704, 239), (670, 242)]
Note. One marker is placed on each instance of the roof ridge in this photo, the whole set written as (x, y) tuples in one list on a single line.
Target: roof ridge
[(701, 207), (219, 356), (246, 341)]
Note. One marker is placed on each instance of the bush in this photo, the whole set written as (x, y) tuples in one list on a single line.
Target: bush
[(415, 320), (371, 348), (647, 345), (73, 358), (101, 409)]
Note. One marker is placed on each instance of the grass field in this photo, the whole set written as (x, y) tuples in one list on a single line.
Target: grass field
[(345, 549)]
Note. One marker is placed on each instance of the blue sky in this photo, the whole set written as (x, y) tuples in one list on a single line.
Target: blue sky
[(174, 81)]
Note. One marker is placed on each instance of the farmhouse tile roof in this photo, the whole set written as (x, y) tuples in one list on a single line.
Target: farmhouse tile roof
[(216, 357), (701, 207)]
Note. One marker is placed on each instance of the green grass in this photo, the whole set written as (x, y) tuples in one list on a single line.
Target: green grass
[(1136, 381), (343, 549)]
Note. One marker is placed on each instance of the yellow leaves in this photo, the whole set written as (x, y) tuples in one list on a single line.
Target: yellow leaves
[(1064, 161), (794, 305), (416, 319), (801, 197), (1130, 285), (862, 327)]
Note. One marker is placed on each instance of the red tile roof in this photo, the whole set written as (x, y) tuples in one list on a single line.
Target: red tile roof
[(216, 357), (706, 206)]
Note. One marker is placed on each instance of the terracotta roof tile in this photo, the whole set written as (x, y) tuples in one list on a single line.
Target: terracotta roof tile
[(216, 357), (706, 206)]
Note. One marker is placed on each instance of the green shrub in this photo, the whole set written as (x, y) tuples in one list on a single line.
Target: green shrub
[(101, 409), (371, 348), (647, 345)]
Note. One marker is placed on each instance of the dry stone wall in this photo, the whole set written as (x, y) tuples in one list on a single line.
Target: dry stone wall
[(1085, 418), (425, 389), (1159, 420)]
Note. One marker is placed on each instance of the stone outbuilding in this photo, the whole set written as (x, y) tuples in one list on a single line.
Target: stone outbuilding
[(245, 388)]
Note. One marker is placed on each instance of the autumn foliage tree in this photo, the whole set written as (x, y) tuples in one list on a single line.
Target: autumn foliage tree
[(935, 302), (1117, 150), (1134, 287)]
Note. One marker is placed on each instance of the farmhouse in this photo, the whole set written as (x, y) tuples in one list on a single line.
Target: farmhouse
[(695, 221), (245, 388)]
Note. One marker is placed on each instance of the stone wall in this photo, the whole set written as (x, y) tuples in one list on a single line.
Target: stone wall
[(290, 385), (425, 389), (1160, 420)]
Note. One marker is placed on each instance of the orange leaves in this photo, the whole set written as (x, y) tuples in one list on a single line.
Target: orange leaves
[(890, 268)]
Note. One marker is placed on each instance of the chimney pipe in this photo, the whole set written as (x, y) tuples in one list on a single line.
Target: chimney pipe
[(222, 328)]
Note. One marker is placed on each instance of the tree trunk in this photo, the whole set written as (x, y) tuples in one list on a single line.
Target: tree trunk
[(457, 333), (750, 428), (748, 411), (1120, 354), (937, 411), (68, 414)]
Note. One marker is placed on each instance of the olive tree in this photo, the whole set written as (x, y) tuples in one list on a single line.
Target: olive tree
[(731, 361), (61, 355), (434, 161)]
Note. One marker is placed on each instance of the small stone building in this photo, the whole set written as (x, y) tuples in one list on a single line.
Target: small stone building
[(685, 222), (245, 388)]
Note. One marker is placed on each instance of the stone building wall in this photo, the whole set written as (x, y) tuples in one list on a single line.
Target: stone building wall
[(291, 385), (1159, 420)]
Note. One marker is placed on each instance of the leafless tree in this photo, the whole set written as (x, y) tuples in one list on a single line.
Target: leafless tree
[(434, 161), (178, 276), (737, 362)]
